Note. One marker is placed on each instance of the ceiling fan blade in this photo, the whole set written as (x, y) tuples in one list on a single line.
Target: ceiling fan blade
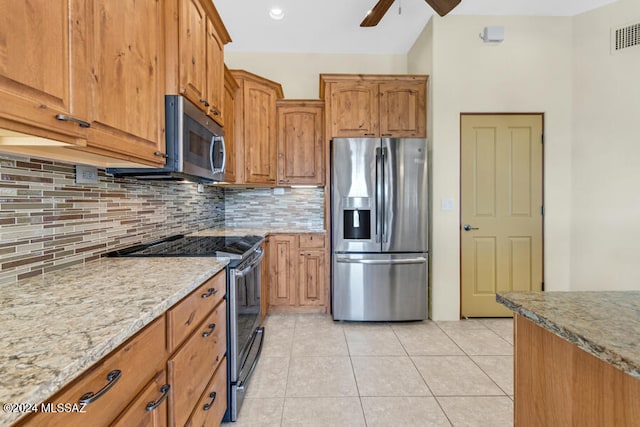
[(375, 15), (442, 7)]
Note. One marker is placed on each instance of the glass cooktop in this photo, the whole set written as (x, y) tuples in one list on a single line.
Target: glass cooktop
[(234, 247)]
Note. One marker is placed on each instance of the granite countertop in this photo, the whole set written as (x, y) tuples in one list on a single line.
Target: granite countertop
[(257, 230), (604, 324), (57, 325)]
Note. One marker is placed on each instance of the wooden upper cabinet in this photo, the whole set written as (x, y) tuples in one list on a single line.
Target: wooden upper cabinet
[(201, 40), (228, 106), (193, 44), (300, 142), (43, 68), (403, 108), (215, 74), (256, 127), (375, 105), (127, 74), (354, 109)]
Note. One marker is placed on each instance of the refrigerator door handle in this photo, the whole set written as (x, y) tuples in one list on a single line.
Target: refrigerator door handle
[(417, 260), (377, 193), (385, 196)]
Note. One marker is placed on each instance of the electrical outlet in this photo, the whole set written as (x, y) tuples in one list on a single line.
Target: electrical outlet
[(86, 174), (278, 191), (200, 188)]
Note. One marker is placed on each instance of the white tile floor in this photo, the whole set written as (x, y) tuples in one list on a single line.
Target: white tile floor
[(317, 372)]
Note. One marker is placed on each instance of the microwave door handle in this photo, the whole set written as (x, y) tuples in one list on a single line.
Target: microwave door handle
[(215, 139), (213, 142), (224, 155)]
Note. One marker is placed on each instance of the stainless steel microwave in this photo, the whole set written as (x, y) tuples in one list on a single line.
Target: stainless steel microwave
[(195, 149)]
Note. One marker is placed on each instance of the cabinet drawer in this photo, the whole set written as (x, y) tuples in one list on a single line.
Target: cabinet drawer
[(138, 360), (139, 413), (213, 403), (309, 241), (191, 367), (188, 313)]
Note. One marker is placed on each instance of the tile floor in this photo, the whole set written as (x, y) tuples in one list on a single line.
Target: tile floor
[(317, 372)]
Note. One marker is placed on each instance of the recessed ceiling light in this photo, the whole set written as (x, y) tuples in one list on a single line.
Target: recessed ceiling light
[(276, 13)]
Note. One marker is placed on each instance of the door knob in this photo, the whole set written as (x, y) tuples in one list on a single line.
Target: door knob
[(467, 227)]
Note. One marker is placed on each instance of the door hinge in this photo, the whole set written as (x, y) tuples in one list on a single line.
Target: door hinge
[(542, 138), (542, 210)]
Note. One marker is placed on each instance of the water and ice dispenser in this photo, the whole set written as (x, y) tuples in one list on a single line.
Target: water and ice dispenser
[(357, 218)]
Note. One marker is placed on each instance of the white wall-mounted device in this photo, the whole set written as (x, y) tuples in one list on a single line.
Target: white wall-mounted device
[(493, 34)]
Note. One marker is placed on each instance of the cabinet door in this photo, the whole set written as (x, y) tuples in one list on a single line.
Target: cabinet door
[(312, 280), (259, 133), (354, 109), (140, 414), (127, 63), (300, 143), (283, 254), (403, 109), (43, 70), (192, 46), (215, 74), (229, 108)]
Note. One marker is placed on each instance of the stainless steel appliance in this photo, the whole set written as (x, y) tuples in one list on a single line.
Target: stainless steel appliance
[(379, 229), (244, 333), (195, 149)]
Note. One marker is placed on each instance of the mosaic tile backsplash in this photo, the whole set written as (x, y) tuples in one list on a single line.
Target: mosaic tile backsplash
[(48, 222), (260, 207)]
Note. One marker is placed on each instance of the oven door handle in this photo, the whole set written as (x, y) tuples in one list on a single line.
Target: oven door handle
[(244, 271), (241, 384)]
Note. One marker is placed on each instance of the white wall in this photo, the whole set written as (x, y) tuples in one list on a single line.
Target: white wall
[(298, 73), (529, 72), (605, 236)]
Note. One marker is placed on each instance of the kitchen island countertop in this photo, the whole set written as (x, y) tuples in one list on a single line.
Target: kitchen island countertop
[(57, 325), (604, 324)]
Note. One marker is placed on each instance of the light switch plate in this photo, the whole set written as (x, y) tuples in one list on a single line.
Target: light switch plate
[(86, 174), (447, 204)]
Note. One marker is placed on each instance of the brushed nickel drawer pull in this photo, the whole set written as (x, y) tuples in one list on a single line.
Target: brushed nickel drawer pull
[(212, 326), (214, 111), (90, 397), (205, 102), (208, 406), (210, 292), (153, 405), (160, 154), (66, 118)]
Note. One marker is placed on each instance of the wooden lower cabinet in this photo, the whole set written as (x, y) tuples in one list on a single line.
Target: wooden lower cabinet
[(191, 367), (297, 281), (141, 383), (112, 383), (559, 384)]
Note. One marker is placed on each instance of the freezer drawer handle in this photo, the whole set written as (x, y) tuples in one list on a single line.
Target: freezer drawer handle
[(418, 260)]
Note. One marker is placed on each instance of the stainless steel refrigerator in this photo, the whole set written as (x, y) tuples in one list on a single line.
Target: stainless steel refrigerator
[(379, 229)]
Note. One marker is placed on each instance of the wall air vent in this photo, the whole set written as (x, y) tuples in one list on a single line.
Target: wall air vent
[(625, 37)]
